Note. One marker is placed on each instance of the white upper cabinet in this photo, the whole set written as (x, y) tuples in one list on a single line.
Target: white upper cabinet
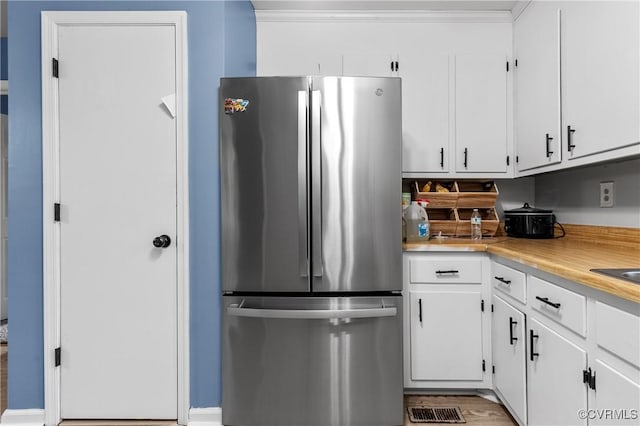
[(481, 113), (369, 64), (537, 86), (601, 92), (303, 62), (577, 83), (426, 111)]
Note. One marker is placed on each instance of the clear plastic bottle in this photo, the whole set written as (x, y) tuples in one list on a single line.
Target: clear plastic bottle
[(476, 225), (417, 223)]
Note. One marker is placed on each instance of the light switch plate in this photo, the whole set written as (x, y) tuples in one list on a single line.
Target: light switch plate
[(606, 194)]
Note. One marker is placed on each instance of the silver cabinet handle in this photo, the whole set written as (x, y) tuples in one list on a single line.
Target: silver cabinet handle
[(311, 313), (303, 256)]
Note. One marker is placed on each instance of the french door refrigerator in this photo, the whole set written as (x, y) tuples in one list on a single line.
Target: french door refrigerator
[(311, 251)]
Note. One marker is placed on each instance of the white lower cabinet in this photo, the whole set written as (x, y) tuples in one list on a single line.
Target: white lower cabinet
[(614, 398), (447, 321), (446, 335), (508, 344), (556, 392), (582, 355)]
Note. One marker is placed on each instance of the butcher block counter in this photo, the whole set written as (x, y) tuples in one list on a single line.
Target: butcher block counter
[(571, 257)]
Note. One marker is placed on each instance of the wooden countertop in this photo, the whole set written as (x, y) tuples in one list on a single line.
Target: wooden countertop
[(572, 257)]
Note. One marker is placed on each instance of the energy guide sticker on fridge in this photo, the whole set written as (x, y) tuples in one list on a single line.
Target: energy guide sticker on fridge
[(232, 105)]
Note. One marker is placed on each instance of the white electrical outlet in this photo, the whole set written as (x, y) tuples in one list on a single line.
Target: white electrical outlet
[(606, 194)]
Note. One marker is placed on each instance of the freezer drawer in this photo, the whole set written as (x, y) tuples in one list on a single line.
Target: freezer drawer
[(312, 361)]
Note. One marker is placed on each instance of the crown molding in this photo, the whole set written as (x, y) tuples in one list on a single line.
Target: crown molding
[(418, 16)]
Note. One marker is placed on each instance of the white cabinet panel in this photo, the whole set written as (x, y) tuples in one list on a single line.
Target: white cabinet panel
[(481, 113), (561, 305), (509, 281), (446, 335), (368, 64), (537, 86), (425, 113), (555, 391), (508, 340), (601, 88), (615, 397), (445, 271), (618, 332), (297, 63)]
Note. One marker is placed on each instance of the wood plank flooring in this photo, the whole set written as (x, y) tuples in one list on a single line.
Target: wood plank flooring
[(477, 411)]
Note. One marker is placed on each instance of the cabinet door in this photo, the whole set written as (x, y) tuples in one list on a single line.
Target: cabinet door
[(446, 335), (555, 391), (299, 63), (537, 84), (601, 52), (425, 113), (508, 340), (617, 393), (368, 65), (481, 113)]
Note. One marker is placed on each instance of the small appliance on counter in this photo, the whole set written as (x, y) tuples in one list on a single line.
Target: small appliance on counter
[(529, 222)]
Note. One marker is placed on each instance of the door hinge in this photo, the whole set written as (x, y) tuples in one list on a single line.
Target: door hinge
[(484, 365), (482, 305), (507, 160), (493, 369), (589, 378), (507, 66), (54, 67), (57, 357), (56, 212)]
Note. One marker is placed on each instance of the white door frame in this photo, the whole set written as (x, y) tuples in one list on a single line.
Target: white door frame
[(51, 21)]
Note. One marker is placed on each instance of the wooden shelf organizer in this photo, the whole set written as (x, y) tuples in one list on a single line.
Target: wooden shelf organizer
[(450, 212)]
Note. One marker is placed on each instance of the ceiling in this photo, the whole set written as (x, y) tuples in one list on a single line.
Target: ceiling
[(481, 5)]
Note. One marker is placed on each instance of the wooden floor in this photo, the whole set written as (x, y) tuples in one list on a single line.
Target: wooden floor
[(477, 411)]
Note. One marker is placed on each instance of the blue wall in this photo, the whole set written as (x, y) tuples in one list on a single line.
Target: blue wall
[(221, 43)]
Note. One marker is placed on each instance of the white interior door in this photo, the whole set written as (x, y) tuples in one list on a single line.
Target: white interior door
[(118, 303)]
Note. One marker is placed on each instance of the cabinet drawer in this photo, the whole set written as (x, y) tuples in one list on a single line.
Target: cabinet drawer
[(564, 306), (509, 281), (432, 271), (617, 331)]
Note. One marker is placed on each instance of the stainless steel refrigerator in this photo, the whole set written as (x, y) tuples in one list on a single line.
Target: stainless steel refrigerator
[(311, 251)]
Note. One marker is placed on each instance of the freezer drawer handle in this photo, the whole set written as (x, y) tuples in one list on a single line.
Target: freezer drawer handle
[(311, 313)]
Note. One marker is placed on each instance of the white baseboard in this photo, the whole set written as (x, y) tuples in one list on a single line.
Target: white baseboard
[(28, 417), (210, 416)]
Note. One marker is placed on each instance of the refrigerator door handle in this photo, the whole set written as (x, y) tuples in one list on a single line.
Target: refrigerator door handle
[(316, 187), (311, 313), (303, 216)]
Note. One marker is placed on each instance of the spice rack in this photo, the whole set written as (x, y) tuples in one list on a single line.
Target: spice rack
[(451, 204)]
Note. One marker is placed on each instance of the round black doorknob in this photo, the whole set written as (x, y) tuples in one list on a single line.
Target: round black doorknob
[(163, 241)]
